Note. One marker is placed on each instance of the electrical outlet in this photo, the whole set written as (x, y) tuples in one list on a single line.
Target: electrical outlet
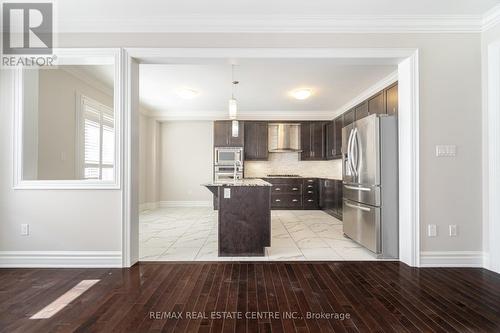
[(432, 230), (25, 229), (227, 193), (453, 230)]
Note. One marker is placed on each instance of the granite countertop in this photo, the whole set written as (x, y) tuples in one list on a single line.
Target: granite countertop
[(243, 182)]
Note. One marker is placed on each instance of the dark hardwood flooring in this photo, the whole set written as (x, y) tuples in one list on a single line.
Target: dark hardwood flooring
[(373, 296)]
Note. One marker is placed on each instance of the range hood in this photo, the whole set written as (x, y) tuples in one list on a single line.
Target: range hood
[(284, 137)]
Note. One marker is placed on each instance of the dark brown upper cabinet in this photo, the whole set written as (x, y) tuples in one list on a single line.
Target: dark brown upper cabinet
[(312, 139), (223, 134), (338, 124), (391, 94), (256, 136), (376, 104), (330, 140), (349, 117), (362, 110)]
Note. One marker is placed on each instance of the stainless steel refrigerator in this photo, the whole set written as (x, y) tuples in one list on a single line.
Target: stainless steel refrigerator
[(370, 184)]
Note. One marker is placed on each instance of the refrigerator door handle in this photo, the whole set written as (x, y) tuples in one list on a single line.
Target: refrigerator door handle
[(366, 209), (357, 188), (356, 150), (349, 152)]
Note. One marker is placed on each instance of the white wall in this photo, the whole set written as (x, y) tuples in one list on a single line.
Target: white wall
[(450, 108), (149, 162), (289, 163), (186, 160)]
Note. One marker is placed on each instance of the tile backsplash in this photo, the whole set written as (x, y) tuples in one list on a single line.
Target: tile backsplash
[(289, 163)]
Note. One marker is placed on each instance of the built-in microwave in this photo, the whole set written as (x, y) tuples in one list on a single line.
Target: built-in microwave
[(228, 156)]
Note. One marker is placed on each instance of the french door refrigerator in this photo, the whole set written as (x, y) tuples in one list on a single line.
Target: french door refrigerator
[(370, 184)]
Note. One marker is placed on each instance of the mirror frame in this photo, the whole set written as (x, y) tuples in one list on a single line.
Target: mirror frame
[(71, 56)]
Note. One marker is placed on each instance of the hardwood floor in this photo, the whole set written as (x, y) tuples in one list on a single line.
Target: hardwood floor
[(194, 297)]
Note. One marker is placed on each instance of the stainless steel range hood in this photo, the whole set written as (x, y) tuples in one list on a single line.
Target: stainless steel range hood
[(284, 137)]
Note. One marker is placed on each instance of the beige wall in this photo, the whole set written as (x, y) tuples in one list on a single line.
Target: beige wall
[(149, 163), (60, 220), (289, 163), (450, 113), (186, 160), (57, 121)]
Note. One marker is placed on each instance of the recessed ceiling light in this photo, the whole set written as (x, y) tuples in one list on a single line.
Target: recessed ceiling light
[(187, 93), (301, 93)]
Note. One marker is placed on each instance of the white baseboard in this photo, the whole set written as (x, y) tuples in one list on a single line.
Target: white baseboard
[(452, 259), (148, 206), (186, 203), (84, 259)]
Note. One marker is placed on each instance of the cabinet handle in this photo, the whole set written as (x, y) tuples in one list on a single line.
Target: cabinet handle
[(295, 200), (277, 200), (309, 191), (310, 180), (277, 189), (295, 189), (309, 186), (310, 200)]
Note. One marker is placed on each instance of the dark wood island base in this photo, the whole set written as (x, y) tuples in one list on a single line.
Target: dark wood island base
[(244, 217)]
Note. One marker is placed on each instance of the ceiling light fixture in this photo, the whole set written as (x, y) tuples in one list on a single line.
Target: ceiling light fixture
[(187, 93), (233, 107), (301, 93)]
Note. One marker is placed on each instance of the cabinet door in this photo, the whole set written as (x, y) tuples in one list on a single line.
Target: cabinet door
[(392, 100), (221, 133), (362, 110), (338, 124), (349, 117), (318, 140), (330, 140), (305, 141), (376, 104), (251, 140), (262, 140), (256, 140)]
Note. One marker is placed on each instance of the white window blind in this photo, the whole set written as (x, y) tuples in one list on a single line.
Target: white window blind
[(98, 140)]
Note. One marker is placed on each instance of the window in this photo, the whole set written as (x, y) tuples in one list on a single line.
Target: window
[(96, 140)]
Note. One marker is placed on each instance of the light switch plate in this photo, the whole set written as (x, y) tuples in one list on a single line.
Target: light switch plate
[(227, 193), (446, 150), (453, 230), (432, 230), (25, 229)]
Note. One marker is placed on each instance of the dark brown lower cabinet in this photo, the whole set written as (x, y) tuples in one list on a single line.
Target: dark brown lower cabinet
[(294, 193), (330, 197)]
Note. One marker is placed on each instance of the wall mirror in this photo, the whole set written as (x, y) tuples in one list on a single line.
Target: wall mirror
[(67, 122)]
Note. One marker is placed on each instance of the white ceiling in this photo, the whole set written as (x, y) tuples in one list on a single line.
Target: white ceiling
[(264, 85), (132, 9), (275, 15)]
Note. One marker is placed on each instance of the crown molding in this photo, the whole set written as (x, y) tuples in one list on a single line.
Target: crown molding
[(89, 79), (280, 24), (491, 18), (242, 115)]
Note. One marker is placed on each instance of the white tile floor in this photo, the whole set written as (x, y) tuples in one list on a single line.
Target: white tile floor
[(186, 234)]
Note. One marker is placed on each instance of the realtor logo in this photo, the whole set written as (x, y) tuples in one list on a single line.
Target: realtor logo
[(27, 28)]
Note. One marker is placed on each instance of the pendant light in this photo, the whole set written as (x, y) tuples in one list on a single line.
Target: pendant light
[(233, 107)]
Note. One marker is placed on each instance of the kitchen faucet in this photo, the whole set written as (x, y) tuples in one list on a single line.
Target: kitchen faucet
[(236, 163)]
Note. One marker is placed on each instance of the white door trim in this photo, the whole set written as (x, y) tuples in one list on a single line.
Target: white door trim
[(491, 178), (408, 70)]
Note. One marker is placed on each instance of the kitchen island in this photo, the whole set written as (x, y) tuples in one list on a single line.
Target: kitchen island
[(244, 216)]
